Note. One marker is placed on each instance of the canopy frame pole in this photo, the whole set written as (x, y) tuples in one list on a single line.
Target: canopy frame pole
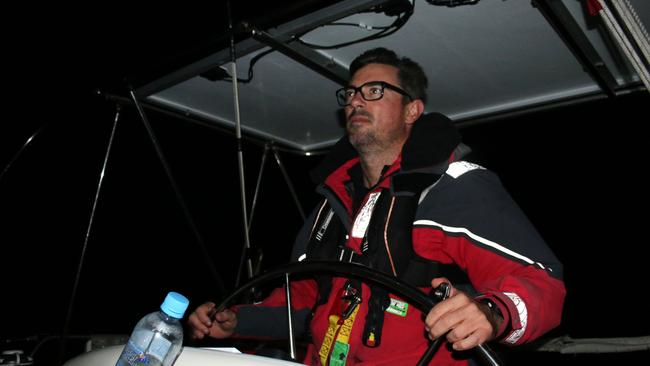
[(240, 153), (66, 324), (288, 181), (179, 196)]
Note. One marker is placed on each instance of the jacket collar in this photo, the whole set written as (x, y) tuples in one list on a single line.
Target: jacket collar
[(434, 143)]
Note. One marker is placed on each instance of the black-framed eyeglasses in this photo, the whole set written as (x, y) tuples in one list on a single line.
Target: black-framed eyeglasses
[(372, 90)]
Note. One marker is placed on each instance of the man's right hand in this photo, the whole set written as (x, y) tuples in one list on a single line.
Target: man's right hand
[(223, 325)]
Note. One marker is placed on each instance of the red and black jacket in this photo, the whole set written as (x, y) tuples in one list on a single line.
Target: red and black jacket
[(434, 215)]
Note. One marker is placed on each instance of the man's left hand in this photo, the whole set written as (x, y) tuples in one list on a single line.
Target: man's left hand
[(465, 322)]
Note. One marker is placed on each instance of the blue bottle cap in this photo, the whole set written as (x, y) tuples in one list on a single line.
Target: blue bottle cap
[(175, 305)]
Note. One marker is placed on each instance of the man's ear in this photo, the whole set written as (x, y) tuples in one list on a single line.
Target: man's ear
[(413, 111)]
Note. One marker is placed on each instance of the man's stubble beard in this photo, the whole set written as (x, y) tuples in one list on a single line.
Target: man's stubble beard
[(363, 141), (362, 136), (367, 140)]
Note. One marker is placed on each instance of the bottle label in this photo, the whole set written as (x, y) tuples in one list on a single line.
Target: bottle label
[(147, 349), (132, 356), (159, 347)]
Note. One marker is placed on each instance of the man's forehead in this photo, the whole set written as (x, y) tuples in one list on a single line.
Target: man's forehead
[(375, 72)]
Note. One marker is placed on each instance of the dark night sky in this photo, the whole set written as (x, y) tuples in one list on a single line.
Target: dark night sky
[(576, 171), (140, 245)]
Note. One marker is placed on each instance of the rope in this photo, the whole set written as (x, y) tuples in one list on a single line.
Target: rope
[(635, 26), (624, 43)]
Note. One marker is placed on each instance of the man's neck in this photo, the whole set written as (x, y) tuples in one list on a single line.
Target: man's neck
[(372, 165)]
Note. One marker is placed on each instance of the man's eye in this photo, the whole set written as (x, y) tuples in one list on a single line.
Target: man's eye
[(349, 93), (374, 90)]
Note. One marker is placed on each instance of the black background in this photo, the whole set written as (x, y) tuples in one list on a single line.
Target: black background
[(577, 171)]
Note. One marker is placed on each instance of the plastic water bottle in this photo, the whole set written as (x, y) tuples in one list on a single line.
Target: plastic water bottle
[(157, 339)]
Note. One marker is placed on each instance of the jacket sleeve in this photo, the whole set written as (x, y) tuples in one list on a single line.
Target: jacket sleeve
[(268, 318), (470, 220)]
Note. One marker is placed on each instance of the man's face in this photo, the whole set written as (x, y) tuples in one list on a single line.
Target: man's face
[(379, 124)]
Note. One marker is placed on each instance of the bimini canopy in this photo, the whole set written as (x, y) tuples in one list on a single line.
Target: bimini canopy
[(484, 59)]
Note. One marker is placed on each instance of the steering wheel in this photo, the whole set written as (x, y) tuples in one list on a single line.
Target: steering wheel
[(368, 275)]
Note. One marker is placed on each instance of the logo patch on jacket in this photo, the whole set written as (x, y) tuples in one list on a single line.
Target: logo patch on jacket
[(397, 307)]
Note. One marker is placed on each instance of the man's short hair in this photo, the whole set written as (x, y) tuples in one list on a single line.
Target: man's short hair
[(411, 76)]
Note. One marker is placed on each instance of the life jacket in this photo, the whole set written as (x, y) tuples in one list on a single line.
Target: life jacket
[(434, 142), (327, 243)]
